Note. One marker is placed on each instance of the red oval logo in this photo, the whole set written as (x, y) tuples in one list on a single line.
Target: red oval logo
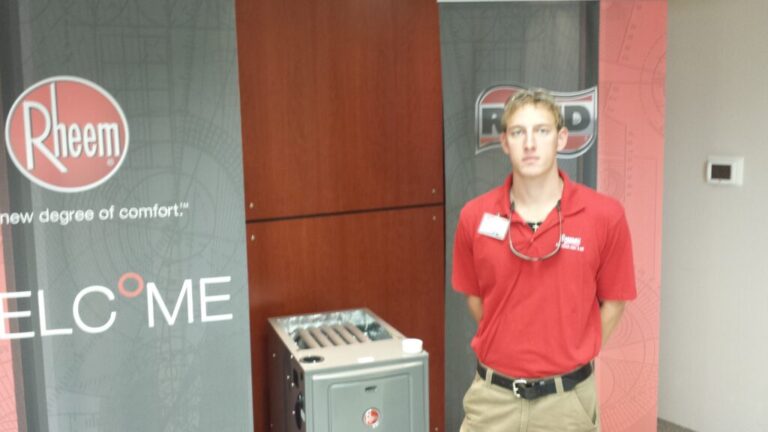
[(67, 134), (371, 417)]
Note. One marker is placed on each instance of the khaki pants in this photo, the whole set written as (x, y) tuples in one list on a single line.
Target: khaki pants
[(490, 408)]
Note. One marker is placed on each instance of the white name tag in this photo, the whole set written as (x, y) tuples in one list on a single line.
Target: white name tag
[(493, 226)]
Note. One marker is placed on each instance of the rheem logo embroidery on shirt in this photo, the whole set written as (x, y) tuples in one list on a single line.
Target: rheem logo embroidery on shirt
[(571, 243)]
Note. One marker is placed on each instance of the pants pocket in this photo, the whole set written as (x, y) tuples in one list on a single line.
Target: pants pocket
[(470, 399), (489, 408), (584, 397)]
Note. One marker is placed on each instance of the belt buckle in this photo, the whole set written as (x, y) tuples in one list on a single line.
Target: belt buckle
[(515, 389)]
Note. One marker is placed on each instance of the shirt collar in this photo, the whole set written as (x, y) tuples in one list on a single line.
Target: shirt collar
[(570, 202)]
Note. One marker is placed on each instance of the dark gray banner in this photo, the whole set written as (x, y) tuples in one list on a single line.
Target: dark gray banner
[(488, 49), (127, 289)]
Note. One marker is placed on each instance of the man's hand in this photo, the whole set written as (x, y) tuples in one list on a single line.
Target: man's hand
[(610, 314)]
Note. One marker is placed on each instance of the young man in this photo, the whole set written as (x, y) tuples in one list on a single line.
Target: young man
[(546, 265)]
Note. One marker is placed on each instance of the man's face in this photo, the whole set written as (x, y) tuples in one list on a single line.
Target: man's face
[(532, 141)]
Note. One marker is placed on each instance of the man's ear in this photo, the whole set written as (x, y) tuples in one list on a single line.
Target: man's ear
[(562, 138), (504, 144)]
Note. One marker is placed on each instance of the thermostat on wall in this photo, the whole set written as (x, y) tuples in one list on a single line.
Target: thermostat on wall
[(725, 170)]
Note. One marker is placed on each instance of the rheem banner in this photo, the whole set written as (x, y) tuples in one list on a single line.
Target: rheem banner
[(489, 51), (123, 305), (604, 64)]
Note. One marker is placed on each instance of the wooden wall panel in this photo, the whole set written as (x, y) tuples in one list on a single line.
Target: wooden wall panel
[(341, 105), (389, 261), (341, 114)]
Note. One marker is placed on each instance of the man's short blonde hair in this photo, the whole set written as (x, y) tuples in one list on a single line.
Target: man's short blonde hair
[(536, 97)]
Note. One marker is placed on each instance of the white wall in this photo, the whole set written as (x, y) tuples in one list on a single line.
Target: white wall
[(714, 307)]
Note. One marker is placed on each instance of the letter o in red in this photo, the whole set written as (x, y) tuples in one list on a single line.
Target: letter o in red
[(139, 285)]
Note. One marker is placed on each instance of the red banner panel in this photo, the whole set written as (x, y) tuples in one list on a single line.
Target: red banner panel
[(633, 41)]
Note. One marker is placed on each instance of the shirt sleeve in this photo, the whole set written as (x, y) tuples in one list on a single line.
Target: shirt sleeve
[(463, 276), (616, 275)]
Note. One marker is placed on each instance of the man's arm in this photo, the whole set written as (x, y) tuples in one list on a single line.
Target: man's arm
[(475, 305), (610, 314)]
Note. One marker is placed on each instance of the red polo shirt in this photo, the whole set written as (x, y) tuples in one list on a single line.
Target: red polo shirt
[(543, 318)]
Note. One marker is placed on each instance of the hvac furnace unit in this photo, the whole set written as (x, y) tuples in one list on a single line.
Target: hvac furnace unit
[(345, 371)]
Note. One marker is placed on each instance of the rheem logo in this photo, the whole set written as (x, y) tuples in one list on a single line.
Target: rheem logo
[(67, 134), (579, 110)]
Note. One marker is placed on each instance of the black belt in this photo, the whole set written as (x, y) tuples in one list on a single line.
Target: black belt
[(532, 389)]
